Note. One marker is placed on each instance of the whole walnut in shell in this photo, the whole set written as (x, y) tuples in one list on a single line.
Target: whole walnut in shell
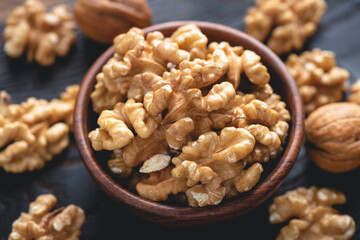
[(333, 135), (102, 20)]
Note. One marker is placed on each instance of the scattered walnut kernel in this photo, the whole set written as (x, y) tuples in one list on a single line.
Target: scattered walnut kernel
[(319, 80), (44, 35), (40, 223), (316, 217), (289, 23), (355, 93), (173, 110), (34, 131)]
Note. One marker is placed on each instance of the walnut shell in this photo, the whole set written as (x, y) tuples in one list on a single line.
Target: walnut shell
[(102, 20), (333, 135)]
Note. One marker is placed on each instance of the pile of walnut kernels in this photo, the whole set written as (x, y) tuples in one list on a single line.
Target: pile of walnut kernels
[(179, 119), (175, 116)]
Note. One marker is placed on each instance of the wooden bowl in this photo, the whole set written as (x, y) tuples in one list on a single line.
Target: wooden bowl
[(281, 81)]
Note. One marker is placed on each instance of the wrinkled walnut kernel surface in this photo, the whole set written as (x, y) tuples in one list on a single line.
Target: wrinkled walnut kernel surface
[(177, 119), (43, 35), (41, 224), (288, 23), (315, 217), (355, 93), (35, 130), (319, 80)]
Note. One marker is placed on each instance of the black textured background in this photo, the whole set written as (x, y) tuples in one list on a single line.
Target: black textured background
[(67, 178)]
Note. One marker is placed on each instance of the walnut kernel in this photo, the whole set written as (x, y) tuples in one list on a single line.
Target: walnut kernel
[(44, 35), (40, 223), (316, 219)]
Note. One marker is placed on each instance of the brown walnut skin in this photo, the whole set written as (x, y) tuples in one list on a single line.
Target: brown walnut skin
[(333, 136), (102, 20)]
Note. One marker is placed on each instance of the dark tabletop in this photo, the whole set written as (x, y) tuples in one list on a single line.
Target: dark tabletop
[(67, 178)]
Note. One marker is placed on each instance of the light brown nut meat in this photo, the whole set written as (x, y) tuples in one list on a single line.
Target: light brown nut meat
[(330, 225), (317, 220), (259, 112), (199, 160), (220, 96), (41, 134), (22, 137), (112, 134), (178, 134), (133, 56), (156, 102), (69, 97), (293, 22), (290, 36), (101, 98), (355, 93), (40, 223), (155, 163), (254, 69), (281, 128), (178, 90), (45, 35), (275, 103), (117, 165), (142, 84), (49, 141), (57, 137), (141, 149), (206, 72), (249, 178), (143, 123), (159, 185), (234, 59), (268, 144), (191, 39), (319, 80), (264, 92), (168, 51), (296, 203), (34, 111)]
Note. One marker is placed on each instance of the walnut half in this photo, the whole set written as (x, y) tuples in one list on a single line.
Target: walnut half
[(316, 219), (319, 80), (40, 224), (34, 131), (288, 23), (44, 35)]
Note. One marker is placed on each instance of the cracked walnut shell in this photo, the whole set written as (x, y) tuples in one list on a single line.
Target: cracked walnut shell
[(43, 35), (316, 219), (39, 223), (333, 136)]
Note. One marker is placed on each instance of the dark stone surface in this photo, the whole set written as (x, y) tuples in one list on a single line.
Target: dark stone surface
[(67, 178)]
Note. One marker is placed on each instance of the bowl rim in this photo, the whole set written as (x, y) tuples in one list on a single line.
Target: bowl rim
[(158, 212)]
